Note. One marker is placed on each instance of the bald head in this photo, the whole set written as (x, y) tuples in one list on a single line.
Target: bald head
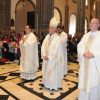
[(94, 24), (95, 20)]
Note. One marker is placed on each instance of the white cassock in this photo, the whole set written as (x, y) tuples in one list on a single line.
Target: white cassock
[(29, 62), (64, 38), (89, 73), (53, 68)]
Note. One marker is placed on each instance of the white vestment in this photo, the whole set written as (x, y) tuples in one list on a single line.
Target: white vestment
[(64, 38), (53, 68), (29, 62), (89, 75)]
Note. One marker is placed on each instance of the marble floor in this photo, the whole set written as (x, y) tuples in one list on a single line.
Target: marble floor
[(14, 88)]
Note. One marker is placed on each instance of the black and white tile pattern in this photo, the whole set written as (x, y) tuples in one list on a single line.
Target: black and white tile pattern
[(5, 95), (69, 85)]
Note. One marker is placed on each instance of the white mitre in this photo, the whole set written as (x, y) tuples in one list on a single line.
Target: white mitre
[(53, 22)]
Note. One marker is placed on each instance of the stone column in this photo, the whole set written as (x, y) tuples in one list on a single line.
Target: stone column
[(80, 18), (66, 28), (98, 9), (66, 19), (45, 9), (5, 16)]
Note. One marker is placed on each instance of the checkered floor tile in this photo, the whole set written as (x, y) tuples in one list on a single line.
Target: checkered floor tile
[(5, 95), (68, 86), (10, 76)]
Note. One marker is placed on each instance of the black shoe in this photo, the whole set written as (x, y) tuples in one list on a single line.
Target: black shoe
[(52, 90), (65, 75), (28, 81), (60, 89), (42, 85)]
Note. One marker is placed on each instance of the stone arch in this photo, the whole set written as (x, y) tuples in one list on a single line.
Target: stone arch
[(23, 7), (72, 24), (60, 14)]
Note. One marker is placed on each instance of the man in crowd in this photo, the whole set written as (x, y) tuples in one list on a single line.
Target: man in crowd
[(53, 60), (29, 62), (89, 61)]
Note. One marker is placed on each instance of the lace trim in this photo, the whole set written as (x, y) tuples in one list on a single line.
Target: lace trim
[(28, 76)]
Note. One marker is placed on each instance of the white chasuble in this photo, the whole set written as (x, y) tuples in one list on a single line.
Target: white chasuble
[(89, 77), (29, 62), (53, 68), (64, 38)]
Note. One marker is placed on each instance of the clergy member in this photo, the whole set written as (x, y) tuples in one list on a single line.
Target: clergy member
[(89, 61), (53, 60), (64, 38), (29, 62)]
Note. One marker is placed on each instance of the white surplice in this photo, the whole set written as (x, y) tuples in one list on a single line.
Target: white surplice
[(89, 75), (29, 62), (53, 68), (64, 38)]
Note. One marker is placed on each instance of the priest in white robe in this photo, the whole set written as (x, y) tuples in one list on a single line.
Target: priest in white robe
[(29, 62), (53, 60), (64, 38), (89, 61)]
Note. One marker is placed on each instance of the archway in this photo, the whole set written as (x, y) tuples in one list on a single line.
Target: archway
[(24, 14), (58, 15), (72, 25)]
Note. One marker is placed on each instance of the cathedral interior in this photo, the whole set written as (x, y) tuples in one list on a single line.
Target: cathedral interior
[(73, 15)]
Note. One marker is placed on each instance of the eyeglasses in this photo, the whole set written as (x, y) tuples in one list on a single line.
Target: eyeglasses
[(94, 23)]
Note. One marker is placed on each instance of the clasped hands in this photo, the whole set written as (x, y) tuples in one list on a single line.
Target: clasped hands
[(88, 55), (23, 39), (45, 58)]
